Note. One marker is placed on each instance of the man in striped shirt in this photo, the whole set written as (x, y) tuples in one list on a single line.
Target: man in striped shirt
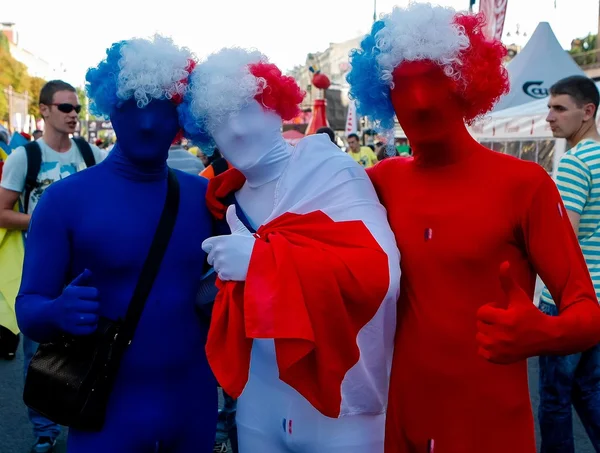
[(574, 379)]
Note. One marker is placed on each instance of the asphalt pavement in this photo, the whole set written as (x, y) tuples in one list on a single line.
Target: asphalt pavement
[(16, 435)]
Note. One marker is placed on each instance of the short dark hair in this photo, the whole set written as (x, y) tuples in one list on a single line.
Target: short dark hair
[(582, 89), (328, 131), (354, 136), (52, 87)]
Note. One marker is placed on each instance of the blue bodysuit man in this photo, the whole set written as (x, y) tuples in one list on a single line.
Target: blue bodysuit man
[(87, 243)]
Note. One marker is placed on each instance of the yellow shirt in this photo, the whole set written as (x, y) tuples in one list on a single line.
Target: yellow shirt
[(366, 157), (11, 263)]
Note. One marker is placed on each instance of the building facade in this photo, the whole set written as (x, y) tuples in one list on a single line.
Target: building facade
[(36, 66), (332, 62)]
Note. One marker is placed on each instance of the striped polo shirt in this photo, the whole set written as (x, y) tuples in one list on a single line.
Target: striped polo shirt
[(578, 180)]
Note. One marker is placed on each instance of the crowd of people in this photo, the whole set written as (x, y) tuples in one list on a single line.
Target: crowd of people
[(374, 300)]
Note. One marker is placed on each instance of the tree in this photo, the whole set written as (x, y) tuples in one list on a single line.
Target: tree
[(83, 102), (4, 42), (82, 97), (583, 50), (13, 73), (35, 86), (581, 45)]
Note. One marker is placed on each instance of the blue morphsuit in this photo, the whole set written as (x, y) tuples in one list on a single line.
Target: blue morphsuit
[(100, 223)]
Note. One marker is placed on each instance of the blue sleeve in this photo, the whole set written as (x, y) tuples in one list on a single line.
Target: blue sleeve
[(45, 269), (208, 291)]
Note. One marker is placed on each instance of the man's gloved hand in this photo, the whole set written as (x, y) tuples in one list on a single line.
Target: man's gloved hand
[(76, 310), (508, 335), (230, 254)]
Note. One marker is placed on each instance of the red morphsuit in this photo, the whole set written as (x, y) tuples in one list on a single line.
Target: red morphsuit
[(474, 227)]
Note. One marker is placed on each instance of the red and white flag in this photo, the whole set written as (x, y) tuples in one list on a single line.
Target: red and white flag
[(351, 119), (495, 13), (323, 282)]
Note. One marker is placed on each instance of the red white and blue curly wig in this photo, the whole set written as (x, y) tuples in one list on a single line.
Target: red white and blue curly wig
[(140, 69), (226, 82), (454, 41)]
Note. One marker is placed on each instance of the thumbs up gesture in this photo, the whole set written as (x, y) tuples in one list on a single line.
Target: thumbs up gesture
[(514, 333), (76, 310), (230, 254)]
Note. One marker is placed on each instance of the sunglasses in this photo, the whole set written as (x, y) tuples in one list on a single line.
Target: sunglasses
[(68, 108)]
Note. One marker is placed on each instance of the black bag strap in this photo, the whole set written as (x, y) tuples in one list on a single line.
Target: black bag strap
[(86, 151), (34, 165), (220, 166), (154, 259)]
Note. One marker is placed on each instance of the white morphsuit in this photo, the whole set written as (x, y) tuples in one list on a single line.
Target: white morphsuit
[(272, 417)]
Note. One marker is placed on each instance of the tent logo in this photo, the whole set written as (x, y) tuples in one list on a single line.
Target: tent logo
[(534, 90)]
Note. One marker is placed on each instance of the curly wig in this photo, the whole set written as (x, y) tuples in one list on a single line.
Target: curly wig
[(139, 69), (226, 82), (454, 41)]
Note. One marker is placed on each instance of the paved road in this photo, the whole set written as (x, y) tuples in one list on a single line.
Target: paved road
[(16, 437)]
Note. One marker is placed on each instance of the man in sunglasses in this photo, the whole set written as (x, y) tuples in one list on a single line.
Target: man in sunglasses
[(61, 156)]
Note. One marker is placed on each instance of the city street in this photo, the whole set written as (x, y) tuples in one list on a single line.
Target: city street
[(15, 431)]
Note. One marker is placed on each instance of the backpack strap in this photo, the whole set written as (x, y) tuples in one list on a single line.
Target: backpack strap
[(34, 165), (86, 151)]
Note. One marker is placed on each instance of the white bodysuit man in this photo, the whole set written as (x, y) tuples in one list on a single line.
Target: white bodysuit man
[(313, 184)]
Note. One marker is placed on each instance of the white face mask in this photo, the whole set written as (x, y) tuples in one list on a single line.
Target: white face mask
[(247, 137), (251, 141)]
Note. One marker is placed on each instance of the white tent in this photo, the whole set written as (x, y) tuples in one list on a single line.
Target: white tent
[(540, 64), (522, 130), (526, 121)]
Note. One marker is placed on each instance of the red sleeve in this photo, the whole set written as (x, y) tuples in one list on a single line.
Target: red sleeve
[(220, 187), (306, 288), (555, 253)]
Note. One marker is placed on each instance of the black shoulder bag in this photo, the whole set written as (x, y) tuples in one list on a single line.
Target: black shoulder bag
[(69, 381)]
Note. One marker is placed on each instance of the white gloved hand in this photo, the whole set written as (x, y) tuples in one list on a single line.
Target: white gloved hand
[(229, 255)]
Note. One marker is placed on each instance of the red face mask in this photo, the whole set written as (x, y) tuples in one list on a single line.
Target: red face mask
[(425, 102)]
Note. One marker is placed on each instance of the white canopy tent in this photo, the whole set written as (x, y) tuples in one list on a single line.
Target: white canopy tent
[(526, 136), (523, 131), (540, 64), (534, 108)]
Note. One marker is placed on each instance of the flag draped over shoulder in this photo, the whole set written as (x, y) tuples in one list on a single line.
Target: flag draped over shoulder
[(322, 282)]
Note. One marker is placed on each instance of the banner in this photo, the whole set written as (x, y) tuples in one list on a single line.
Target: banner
[(495, 13), (351, 119)]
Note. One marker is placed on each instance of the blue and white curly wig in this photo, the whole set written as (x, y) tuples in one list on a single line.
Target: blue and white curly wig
[(418, 32), (140, 69)]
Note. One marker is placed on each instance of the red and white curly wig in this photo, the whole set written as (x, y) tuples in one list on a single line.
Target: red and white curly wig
[(454, 41), (228, 80)]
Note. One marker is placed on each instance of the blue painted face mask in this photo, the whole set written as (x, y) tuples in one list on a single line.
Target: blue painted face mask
[(144, 135)]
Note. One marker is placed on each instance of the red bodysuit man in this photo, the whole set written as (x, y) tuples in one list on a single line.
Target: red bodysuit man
[(474, 227)]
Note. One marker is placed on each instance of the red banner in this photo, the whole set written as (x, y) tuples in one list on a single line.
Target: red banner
[(495, 13)]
